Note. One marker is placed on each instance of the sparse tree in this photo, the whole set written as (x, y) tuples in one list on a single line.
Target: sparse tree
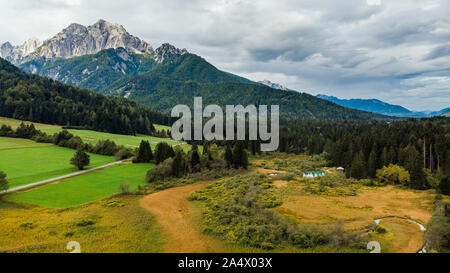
[(80, 160)]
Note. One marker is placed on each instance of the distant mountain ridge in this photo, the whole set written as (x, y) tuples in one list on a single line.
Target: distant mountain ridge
[(105, 58), (380, 107)]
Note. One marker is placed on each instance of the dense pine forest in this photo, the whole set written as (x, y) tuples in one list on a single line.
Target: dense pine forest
[(364, 147), (38, 99)]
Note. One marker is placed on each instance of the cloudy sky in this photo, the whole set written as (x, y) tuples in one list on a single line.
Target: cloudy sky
[(394, 50)]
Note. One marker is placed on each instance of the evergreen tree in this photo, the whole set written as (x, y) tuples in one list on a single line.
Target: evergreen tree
[(372, 163), (240, 156), (384, 160), (195, 158), (80, 160), (145, 154), (444, 185), (163, 151), (229, 156), (358, 167), (178, 164), (418, 178), (3, 182)]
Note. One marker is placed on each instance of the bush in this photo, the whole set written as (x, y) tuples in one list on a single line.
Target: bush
[(444, 185), (85, 223), (381, 229), (124, 188), (393, 174)]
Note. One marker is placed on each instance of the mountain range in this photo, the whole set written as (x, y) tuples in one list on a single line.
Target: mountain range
[(380, 107), (105, 58)]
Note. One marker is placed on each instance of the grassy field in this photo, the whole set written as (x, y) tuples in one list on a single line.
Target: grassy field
[(7, 143), (93, 137), (162, 127), (85, 188), (116, 224), (309, 201), (14, 123), (31, 162)]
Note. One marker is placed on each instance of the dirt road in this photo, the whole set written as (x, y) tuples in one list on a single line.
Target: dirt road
[(178, 218)]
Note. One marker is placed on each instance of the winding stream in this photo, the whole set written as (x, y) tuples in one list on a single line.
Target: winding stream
[(422, 227)]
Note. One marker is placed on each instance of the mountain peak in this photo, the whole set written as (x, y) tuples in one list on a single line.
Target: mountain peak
[(167, 51), (273, 85), (77, 40)]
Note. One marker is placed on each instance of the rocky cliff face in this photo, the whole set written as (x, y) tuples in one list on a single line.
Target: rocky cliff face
[(15, 54), (76, 40)]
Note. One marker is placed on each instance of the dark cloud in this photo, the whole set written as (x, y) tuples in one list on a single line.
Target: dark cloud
[(440, 51)]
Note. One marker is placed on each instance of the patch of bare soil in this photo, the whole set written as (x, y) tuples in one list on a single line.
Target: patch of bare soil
[(178, 216)]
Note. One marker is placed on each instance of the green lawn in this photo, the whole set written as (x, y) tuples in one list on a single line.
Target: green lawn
[(85, 188), (36, 163)]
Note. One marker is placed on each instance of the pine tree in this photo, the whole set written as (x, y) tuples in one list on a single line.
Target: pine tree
[(80, 160), (384, 160), (418, 178), (162, 152), (195, 158), (240, 156), (145, 154), (229, 156), (3, 182), (372, 163), (358, 167), (177, 164)]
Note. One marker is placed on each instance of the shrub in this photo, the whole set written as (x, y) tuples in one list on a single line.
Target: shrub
[(381, 229), (444, 185), (27, 225), (85, 223), (124, 188), (393, 174), (69, 233)]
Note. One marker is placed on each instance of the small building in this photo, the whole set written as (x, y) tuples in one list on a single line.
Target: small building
[(313, 174), (340, 169)]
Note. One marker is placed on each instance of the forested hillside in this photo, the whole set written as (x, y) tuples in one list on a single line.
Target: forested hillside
[(167, 77), (38, 99)]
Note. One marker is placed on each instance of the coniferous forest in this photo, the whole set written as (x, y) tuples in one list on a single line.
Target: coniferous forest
[(38, 99), (364, 147)]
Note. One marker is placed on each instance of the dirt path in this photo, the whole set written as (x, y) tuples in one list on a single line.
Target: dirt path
[(177, 216)]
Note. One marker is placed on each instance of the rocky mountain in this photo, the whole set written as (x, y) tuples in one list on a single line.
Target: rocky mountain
[(273, 85), (76, 40), (15, 54), (446, 113)]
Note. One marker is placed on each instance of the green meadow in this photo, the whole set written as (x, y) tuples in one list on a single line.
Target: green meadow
[(93, 137), (26, 162), (86, 188)]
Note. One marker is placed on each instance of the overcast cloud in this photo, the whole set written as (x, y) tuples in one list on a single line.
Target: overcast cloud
[(394, 50)]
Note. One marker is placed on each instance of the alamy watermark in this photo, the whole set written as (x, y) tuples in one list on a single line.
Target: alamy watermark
[(213, 129)]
